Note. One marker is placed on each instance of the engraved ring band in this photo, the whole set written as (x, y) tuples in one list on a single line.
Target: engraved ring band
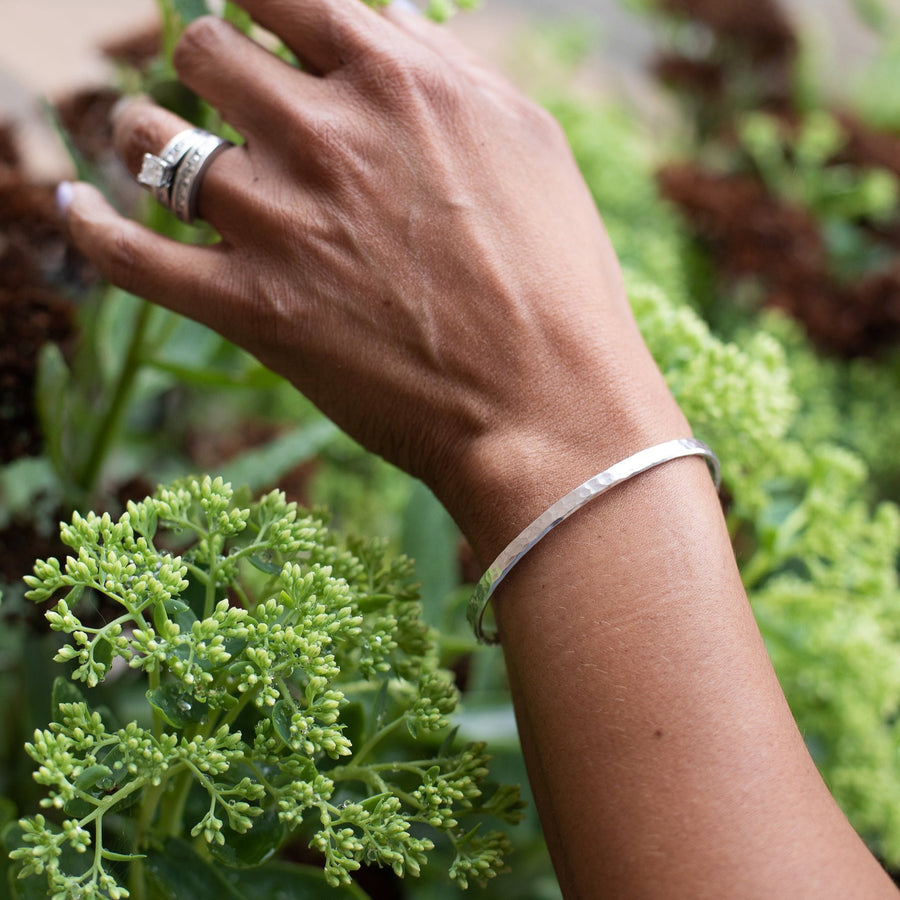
[(175, 175)]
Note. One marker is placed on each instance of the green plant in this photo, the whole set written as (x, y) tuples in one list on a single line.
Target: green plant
[(280, 671), (799, 166)]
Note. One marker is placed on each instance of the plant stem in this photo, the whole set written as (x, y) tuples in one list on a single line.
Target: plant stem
[(238, 707), (209, 603), (154, 679), (173, 806), (169, 18), (376, 739), (756, 568), (149, 804), (86, 481)]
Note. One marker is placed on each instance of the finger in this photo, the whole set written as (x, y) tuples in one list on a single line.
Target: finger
[(405, 16), (251, 87), (324, 34), (185, 278), (441, 41), (142, 127)]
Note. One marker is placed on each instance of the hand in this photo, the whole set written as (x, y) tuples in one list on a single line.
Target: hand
[(408, 240)]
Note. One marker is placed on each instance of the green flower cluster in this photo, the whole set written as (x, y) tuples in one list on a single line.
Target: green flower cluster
[(280, 668)]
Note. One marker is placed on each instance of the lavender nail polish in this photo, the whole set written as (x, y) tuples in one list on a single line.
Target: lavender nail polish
[(405, 6), (64, 197)]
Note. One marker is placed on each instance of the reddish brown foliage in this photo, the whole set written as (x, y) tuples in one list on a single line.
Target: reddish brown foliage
[(868, 148), (760, 27), (699, 77), (751, 233), (748, 231)]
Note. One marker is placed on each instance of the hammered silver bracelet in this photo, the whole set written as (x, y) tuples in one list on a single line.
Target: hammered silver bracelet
[(572, 502)]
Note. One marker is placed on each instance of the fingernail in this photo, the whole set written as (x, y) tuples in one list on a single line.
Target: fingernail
[(406, 6), (63, 197)]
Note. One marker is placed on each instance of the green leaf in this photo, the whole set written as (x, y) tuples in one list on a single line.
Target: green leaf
[(176, 706), (188, 10), (431, 538), (51, 390), (254, 846), (379, 706), (115, 317), (174, 611), (23, 483), (238, 17), (95, 776), (371, 803), (84, 169), (281, 720), (74, 595), (103, 652), (354, 717), (269, 568), (263, 466), (64, 691), (196, 376), (874, 13), (447, 743), (178, 873), (122, 857), (286, 881), (99, 777)]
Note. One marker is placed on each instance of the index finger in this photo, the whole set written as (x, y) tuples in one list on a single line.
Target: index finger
[(324, 34)]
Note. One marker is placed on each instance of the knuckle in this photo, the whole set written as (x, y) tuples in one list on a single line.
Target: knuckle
[(135, 132), (539, 123), (409, 78), (335, 149), (200, 40), (118, 262), (546, 122)]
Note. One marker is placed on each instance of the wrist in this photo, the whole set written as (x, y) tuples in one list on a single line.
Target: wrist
[(507, 476)]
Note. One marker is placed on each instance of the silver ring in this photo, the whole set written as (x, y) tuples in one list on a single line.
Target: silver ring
[(189, 174), (158, 172), (174, 175)]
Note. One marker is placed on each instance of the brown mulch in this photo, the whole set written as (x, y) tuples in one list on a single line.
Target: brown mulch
[(34, 258)]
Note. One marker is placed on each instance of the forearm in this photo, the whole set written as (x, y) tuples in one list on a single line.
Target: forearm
[(663, 756)]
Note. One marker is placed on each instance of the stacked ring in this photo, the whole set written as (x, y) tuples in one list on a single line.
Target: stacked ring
[(174, 176)]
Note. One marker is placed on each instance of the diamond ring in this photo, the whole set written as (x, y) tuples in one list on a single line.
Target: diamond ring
[(174, 175)]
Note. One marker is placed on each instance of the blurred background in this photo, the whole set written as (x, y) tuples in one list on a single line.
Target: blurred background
[(50, 47)]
